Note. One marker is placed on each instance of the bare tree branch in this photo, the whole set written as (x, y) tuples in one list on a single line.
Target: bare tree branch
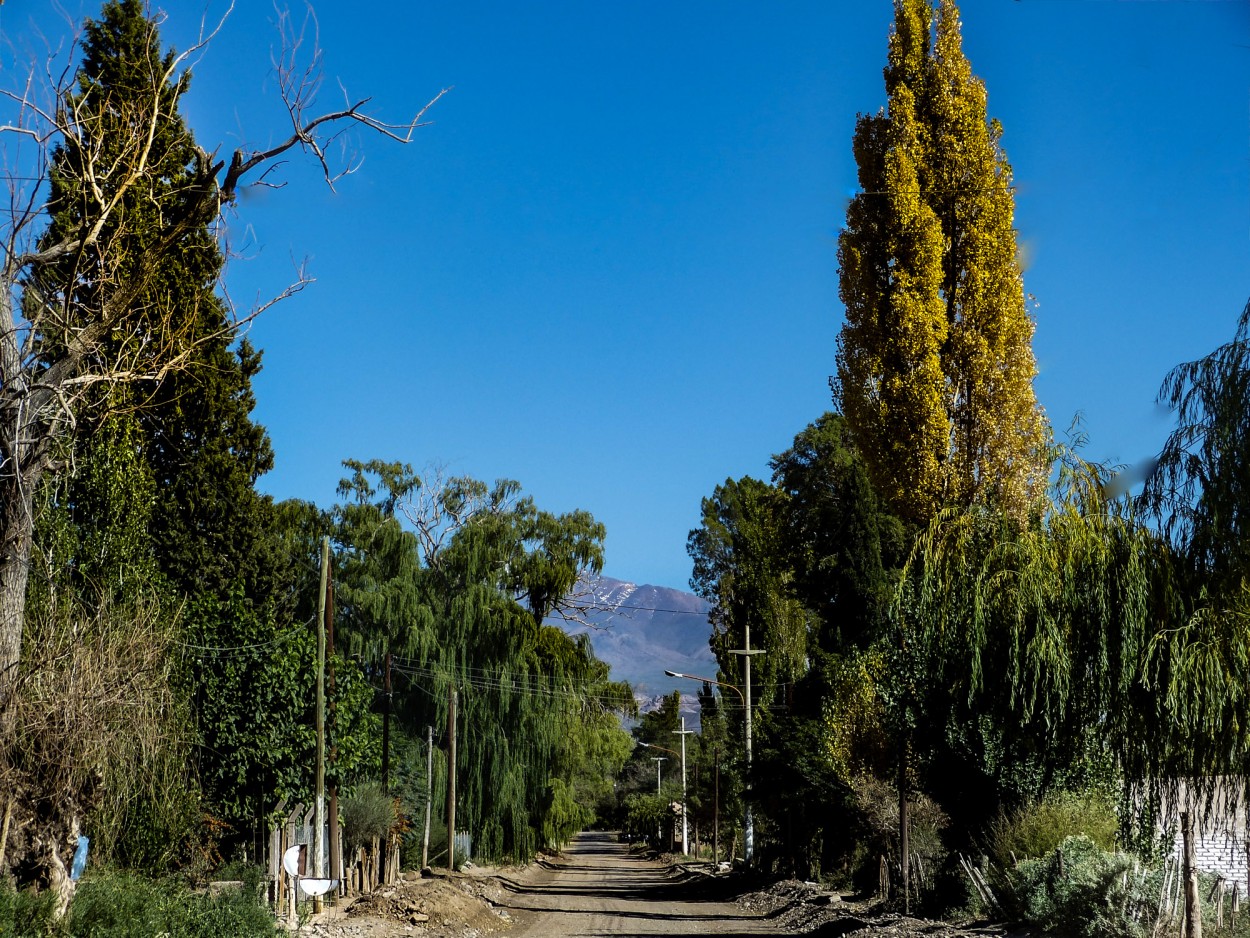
[(76, 312)]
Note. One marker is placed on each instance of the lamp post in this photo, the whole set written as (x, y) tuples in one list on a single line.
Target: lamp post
[(657, 761), (685, 834), (748, 822), (659, 829)]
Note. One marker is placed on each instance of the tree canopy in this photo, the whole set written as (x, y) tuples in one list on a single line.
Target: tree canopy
[(935, 365)]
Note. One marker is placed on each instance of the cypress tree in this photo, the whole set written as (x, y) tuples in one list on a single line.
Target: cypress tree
[(202, 451), (935, 365)]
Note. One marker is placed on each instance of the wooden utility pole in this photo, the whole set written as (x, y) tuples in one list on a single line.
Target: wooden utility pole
[(319, 804), (429, 794), (386, 721), (451, 783), (1193, 908), (904, 844), (336, 848), (716, 809)]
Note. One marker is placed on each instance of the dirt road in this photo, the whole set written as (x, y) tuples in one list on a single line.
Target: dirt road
[(597, 888)]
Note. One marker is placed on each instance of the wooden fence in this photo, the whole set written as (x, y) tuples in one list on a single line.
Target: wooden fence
[(365, 869)]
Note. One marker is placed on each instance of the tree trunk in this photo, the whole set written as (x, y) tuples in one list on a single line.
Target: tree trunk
[(16, 528), (1193, 909)]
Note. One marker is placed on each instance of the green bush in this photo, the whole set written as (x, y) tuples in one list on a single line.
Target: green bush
[(125, 906), (1083, 890), (114, 905), (1037, 830), (25, 913), (369, 813)]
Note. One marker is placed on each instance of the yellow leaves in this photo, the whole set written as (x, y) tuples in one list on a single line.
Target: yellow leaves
[(852, 715), (935, 362)]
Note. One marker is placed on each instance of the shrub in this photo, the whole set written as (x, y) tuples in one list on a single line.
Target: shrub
[(125, 906), (1082, 890), (25, 913), (369, 813), (877, 803), (1037, 830)]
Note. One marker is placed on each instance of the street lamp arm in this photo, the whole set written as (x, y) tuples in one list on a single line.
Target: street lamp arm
[(708, 680), (661, 748)]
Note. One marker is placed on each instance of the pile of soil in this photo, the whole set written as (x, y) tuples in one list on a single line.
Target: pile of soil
[(803, 908), (435, 907)]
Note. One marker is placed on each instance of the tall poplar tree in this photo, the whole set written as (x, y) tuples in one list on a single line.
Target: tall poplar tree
[(935, 365)]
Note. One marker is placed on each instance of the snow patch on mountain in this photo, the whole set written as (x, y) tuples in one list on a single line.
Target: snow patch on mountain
[(642, 630)]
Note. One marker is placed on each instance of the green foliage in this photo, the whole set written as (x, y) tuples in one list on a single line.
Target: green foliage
[(92, 546), (1035, 830), (644, 815), (455, 578), (839, 539), (367, 813), (1022, 648), (563, 815), (126, 906), (254, 681), (1200, 495), (1199, 488), (25, 913), (1083, 890), (162, 496)]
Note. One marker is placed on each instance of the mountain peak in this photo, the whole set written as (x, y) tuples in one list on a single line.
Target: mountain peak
[(641, 631)]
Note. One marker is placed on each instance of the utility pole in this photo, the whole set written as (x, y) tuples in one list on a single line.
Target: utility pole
[(319, 804), (659, 831), (685, 833), (386, 717), (451, 782), (748, 826), (716, 809), (429, 794), (331, 708)]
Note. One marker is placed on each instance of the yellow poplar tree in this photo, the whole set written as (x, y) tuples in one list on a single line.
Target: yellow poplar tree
[(935, 361)]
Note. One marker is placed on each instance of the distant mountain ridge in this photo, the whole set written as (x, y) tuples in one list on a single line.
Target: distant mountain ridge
[(641, 631)]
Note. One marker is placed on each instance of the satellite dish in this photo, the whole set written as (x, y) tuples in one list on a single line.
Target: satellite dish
[(292, 860), (317, 887)]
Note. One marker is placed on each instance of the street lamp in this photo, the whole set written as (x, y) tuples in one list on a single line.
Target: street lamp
[(658, 760), (685, 838), (659, 830), (748, 826), (671, 752)]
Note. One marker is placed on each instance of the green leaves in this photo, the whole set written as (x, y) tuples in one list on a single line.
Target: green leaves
[(457, 576)]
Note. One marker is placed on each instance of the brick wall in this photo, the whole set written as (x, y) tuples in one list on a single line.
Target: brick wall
[(1224, 854)]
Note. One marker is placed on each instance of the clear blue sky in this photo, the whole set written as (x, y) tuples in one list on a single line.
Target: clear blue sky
[(608, 268)]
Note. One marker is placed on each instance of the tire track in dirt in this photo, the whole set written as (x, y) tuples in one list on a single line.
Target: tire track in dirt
[(597, 887)]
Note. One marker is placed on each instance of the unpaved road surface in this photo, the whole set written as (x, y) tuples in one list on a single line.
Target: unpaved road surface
[(597, 887)]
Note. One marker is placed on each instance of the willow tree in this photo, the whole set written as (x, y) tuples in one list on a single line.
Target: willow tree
[(1033, 644), (935, 365), (459, 577), (1200, 494)]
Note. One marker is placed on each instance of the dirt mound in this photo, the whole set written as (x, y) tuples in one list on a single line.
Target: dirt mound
[(803, 908), (439, 907)]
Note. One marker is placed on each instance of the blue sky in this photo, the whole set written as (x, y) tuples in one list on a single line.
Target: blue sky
[(608, 268)]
